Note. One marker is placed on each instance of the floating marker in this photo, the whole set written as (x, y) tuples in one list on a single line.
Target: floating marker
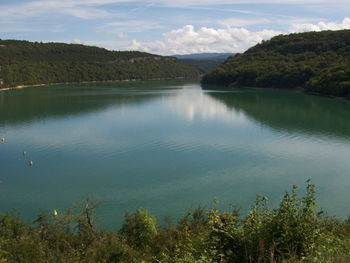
[(55, 213), (24, 153), (2, 139), (30, 163)]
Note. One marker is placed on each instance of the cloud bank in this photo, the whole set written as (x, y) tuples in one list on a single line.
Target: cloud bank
[(187, 40), (345, 24)]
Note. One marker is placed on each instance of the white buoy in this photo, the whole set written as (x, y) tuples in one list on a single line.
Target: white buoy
[(24, 153), (55, 213), (30, 163), (2, 139)]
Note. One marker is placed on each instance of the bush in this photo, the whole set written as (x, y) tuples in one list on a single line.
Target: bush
[(293, 232), (140, 229)]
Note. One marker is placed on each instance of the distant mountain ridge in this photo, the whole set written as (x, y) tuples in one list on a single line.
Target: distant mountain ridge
[(30, 63), (205, 56), (204, 62), (318, 62)]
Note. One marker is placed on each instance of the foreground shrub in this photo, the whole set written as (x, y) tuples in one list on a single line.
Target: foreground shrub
[(293, 232), (294, 229), (140, 229)]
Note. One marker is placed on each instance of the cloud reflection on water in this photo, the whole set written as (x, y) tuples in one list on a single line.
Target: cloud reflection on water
[(192, 103)]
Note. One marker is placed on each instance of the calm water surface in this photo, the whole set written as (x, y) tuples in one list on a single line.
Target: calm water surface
[(168, 146)]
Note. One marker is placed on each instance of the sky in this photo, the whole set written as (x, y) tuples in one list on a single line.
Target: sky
[(168, 27)]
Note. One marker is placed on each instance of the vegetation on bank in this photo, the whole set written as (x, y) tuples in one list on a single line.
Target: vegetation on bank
[(294, 232), (319, 62), (28, 63)]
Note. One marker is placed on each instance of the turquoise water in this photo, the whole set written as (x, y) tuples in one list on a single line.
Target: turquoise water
[(168, 146)]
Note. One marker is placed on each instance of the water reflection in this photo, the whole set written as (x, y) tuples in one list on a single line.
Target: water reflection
[(192, 102), (291, 111), (281, 110), (60, 101)]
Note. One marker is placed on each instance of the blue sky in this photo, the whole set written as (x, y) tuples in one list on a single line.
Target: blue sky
[(168, 27)]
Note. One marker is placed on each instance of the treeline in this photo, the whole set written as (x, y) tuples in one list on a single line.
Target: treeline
[(27, 63), (293, 232), (204, 62), (203, 65), (319, 62)]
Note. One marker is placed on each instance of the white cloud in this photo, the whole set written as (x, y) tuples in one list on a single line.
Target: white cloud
[(266, 20), (229, 2), (187, 40), (86, 13), (187, 3), (228, 35), (345, 24), (240, 22), (22, 11), (130, 26), (86, 8), (77, 41), (121, 35)]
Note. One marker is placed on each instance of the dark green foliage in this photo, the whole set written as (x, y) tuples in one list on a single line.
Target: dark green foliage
[(295, 231), (316, 61), (27, 63), (140, 229), (203, 65), (334, 80)]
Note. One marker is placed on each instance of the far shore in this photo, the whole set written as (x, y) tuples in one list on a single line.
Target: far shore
[(231, 86), (23, 86), (82, 82), (296, 89)]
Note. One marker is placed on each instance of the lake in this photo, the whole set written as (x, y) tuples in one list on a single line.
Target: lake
[(168, 146)]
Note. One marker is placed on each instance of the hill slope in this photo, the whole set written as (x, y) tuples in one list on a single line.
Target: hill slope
[(26, 63), (316, 61), (204, 62)]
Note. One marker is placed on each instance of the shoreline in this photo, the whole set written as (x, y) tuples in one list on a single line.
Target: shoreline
[(296, 89), (82, 82), (23, 86)]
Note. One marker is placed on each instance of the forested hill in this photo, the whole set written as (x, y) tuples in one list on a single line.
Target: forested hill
[(26, 63), (316, 61), (204, 62)]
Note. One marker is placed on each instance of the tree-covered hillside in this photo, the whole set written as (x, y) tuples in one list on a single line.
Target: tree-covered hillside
[(203, 65), (204, 62), (316, 61), (26, 63)]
